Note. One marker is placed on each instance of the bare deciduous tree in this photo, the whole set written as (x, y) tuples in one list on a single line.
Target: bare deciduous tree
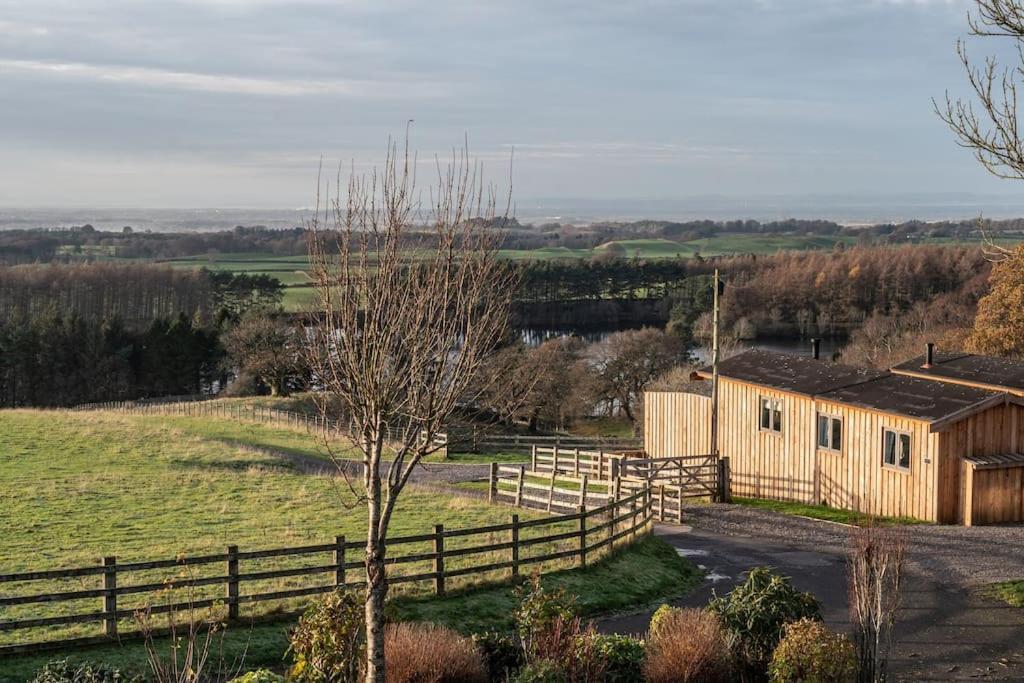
[(875, 572), (992, 129), (413, 299)]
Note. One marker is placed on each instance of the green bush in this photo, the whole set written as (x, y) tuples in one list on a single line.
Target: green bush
[(659, 616), (623, 657), (539, 608), (502, 652), (542, 671), (329, 642), (64, 671), (259, 676), (810, 653), (755, 613)]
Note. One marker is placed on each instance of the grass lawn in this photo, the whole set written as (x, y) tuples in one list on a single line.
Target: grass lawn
[(78, 486), (280, 436), (1010, 592), (822, 512), (656, 573)]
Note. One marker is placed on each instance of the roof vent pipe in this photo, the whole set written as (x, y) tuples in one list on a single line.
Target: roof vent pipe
[(816, 349), (929, 355)]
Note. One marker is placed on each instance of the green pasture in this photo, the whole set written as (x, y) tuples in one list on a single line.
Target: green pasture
[(78, 486), (656, 573)]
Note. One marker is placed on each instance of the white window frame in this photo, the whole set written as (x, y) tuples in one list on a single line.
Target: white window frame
[(903, 442), (774, 406), (833, 446)]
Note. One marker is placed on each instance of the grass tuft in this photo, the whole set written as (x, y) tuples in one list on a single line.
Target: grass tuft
[(823, 512)]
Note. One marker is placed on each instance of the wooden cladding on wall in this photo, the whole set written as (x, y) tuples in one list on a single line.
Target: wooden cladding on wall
[(676, 423)]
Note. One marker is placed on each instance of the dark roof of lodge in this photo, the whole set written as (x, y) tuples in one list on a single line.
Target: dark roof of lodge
[(920, 399), (796, 374), (966, 367)]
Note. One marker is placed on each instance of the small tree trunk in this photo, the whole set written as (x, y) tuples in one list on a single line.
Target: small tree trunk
[(376, 576), (376, 593)]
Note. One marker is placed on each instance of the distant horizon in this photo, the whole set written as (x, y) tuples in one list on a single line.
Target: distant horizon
[(848, 209)]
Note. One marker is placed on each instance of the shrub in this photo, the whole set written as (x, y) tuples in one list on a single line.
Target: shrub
[(623, 658), (573, 647), (659, 616), (541, 671), (328, 643), (755, 613), (689, 646), (810, 653), (539, 608), (502, 653), (259, 676), (64, 671), (425, 653)]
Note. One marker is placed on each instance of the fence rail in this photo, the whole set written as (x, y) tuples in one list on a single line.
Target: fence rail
[(121, 590), (456, 440), (697, 476), (554, 492), (312, 423)]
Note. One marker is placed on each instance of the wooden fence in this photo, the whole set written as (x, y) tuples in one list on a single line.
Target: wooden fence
[(60, 603), (312, 423), (516, 485), (457, 441), (474, 441), (697, 476)]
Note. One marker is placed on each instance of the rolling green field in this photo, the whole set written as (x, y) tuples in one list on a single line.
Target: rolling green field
[(298, 295), (77, 486), (656, 572), (292, 270)]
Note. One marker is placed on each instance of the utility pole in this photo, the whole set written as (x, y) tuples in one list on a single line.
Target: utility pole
[(714, 367)]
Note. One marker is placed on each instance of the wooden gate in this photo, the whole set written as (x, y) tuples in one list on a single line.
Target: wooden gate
[(697, 476)]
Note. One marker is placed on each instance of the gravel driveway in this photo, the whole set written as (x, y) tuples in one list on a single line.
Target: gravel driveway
[(946, 629), (959, 556)]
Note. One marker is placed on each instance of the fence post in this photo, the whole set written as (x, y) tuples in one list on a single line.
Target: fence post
[(576, 462), (583, 536), (515, 546), (600, 463), (232, 587), (554, 458), (110, 596), (492, 484), (615, 463), (339, 560), (519, 486), (439, 559), (533, 457), (551, 491), (583, 492), (615, 513), (724, 495), (661, 503)]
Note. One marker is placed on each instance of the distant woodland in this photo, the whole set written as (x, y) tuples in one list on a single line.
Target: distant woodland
[(78, 323)]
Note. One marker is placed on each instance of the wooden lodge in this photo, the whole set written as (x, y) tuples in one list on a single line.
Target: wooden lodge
[(938, 438)]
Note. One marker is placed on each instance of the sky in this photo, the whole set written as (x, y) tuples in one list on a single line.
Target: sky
[(233, 103)]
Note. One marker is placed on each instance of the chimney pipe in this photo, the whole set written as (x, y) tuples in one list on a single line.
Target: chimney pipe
[(929, 355), (816, 349)]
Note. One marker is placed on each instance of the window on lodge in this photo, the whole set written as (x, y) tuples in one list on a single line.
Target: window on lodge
[(896, 449), (830, 432), (771, 415)]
